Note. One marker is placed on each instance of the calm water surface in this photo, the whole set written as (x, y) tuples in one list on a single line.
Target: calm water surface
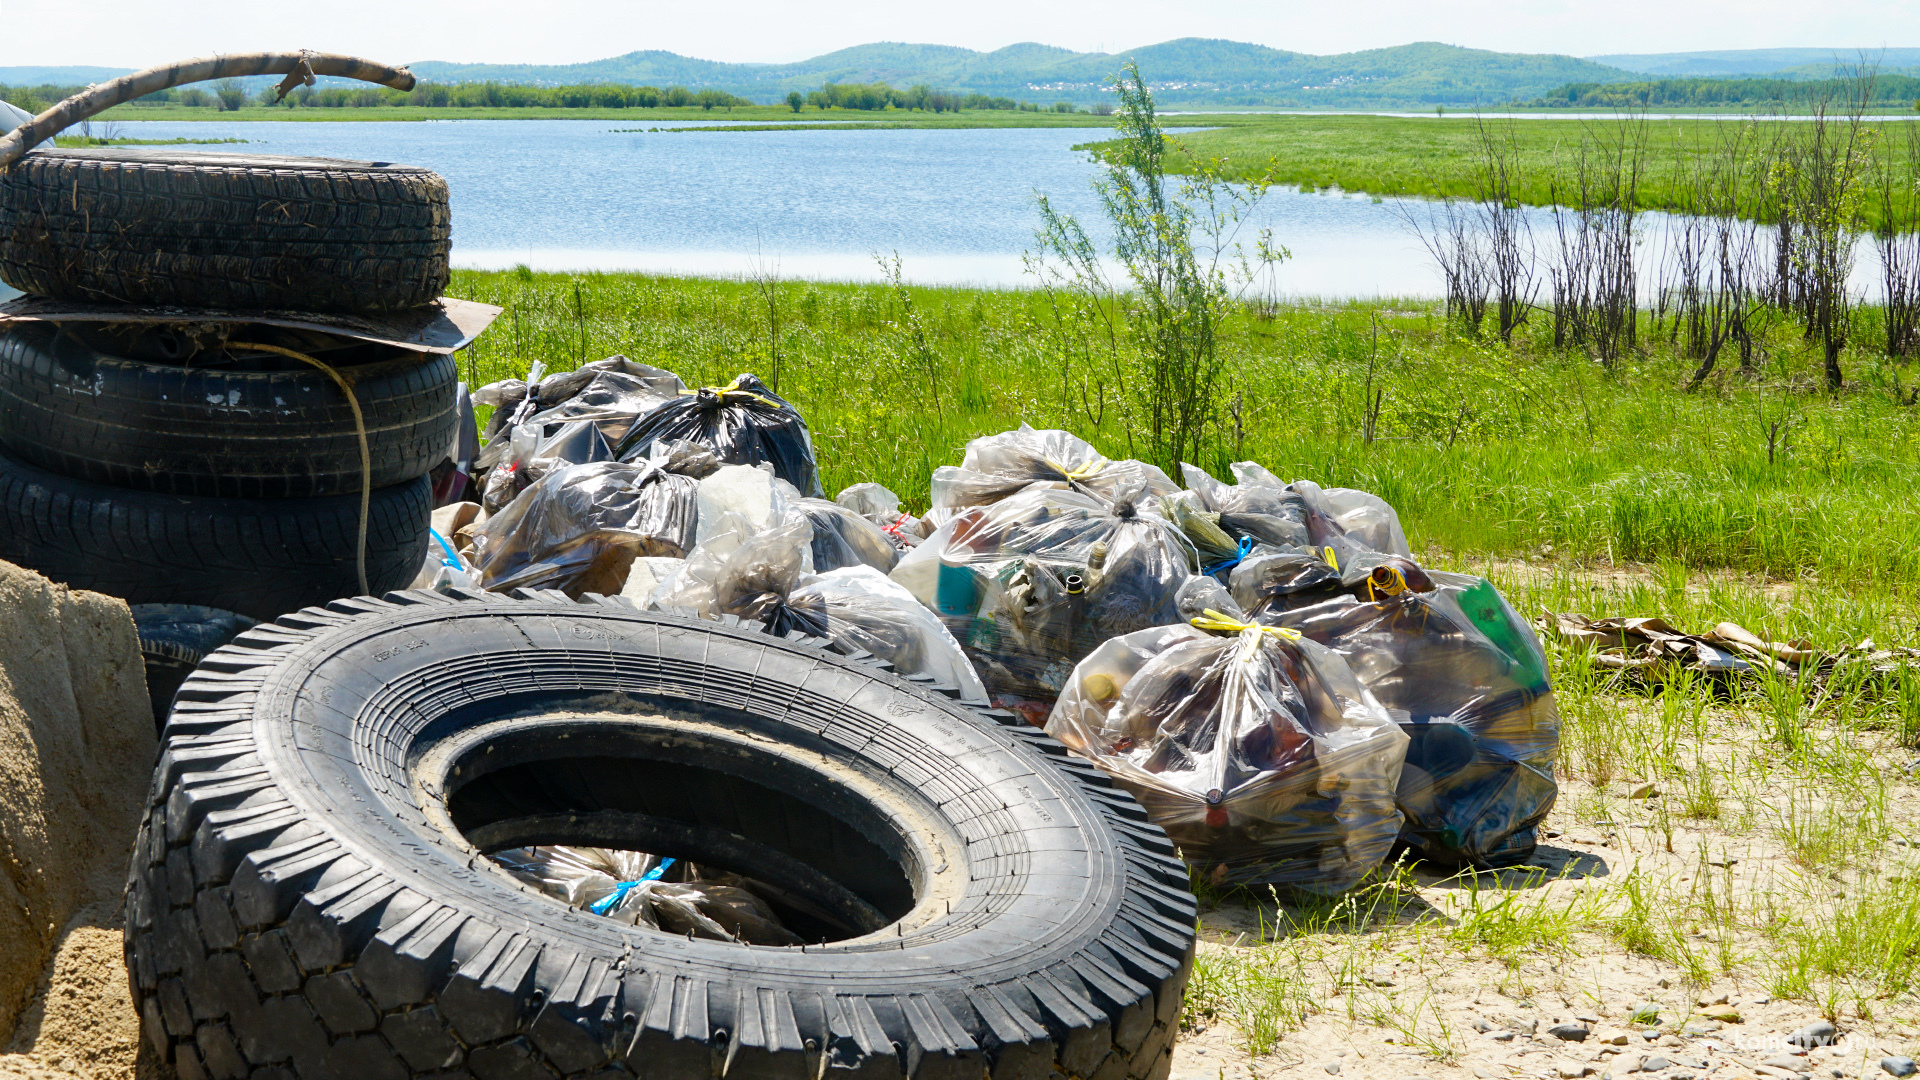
[(957, 205)]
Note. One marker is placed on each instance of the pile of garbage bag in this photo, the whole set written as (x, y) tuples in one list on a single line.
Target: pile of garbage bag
[(1263, 663)]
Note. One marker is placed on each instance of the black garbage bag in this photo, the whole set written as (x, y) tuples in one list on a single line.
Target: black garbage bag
[(1255, 749), (743, 423), (1467, 680)]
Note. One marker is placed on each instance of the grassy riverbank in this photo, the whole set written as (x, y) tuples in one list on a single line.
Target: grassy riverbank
[(1771, 866), (1441, 156), (760, 114)]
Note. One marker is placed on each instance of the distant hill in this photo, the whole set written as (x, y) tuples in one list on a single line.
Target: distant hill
[(58, 76), (1184, 72), (1777, 62)]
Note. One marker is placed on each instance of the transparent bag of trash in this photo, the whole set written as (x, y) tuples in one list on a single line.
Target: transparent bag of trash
[(1467, 680), (761, 575), (443, 568), (868, 611), (581, 526), (844, 538), (743, 423), (1269, 582), (1255, 749), (612, 393), (996, 466), (882, 507), (632, 887), (1034, 582), (1301, 514)]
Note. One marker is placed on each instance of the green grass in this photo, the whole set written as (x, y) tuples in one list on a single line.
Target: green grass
[(78, 141), (1435, 156)]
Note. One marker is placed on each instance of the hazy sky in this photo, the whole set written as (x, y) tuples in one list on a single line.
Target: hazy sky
[(138, 33)]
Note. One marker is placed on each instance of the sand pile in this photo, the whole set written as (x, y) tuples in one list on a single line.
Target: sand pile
[(76, 751)]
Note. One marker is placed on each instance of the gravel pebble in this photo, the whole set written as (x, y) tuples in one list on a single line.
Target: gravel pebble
[(1897, 1066)]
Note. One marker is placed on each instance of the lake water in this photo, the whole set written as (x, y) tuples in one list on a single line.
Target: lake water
[(957, 205)]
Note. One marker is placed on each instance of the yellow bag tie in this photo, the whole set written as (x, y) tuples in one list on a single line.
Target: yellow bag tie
[(1331, 559), (733, 388), (1083, 471), (1394, 585), (1219, 621)]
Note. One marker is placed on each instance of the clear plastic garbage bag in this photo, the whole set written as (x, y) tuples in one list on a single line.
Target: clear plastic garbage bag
[(761, 575), (1269, 582), (1467, 679), (1255, 749), (1297, 515), (612, 393), (443, 568), (581, 526), (1034, 582), (743, 423), (867, 610), (844, 538), (997, 466), (882, 507), (633, 887)]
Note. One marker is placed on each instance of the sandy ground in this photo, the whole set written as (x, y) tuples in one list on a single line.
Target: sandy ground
[(76, 750), (1408, 998)]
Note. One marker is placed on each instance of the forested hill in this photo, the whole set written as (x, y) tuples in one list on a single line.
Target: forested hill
[(1187, 71)]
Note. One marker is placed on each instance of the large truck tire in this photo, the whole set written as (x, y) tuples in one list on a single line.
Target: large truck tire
[(310, 894), (259, 557), (220, 230), (184, 430)]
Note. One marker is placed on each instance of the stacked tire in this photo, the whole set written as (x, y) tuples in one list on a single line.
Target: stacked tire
[(165, 461)]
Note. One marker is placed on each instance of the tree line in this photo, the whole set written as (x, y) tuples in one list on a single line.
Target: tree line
[(230, 96), (1888, 90)]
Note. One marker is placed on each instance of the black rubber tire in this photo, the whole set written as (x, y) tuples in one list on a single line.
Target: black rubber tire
[(259, 557), (174, 638), (217, 230), (203, 431), (294, 909)]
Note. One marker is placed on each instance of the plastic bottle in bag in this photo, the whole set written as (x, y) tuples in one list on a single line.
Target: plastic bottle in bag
[(1032, 583), (1468, 681), (1255, 749)]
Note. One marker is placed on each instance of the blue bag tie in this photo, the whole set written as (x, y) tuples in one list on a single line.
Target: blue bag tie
[(1231, 561), (620, 889)]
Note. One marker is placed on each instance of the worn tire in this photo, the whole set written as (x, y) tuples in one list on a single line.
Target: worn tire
[(205, 431), (258, 557), (217, 230), (174, 638), (303, 903)]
